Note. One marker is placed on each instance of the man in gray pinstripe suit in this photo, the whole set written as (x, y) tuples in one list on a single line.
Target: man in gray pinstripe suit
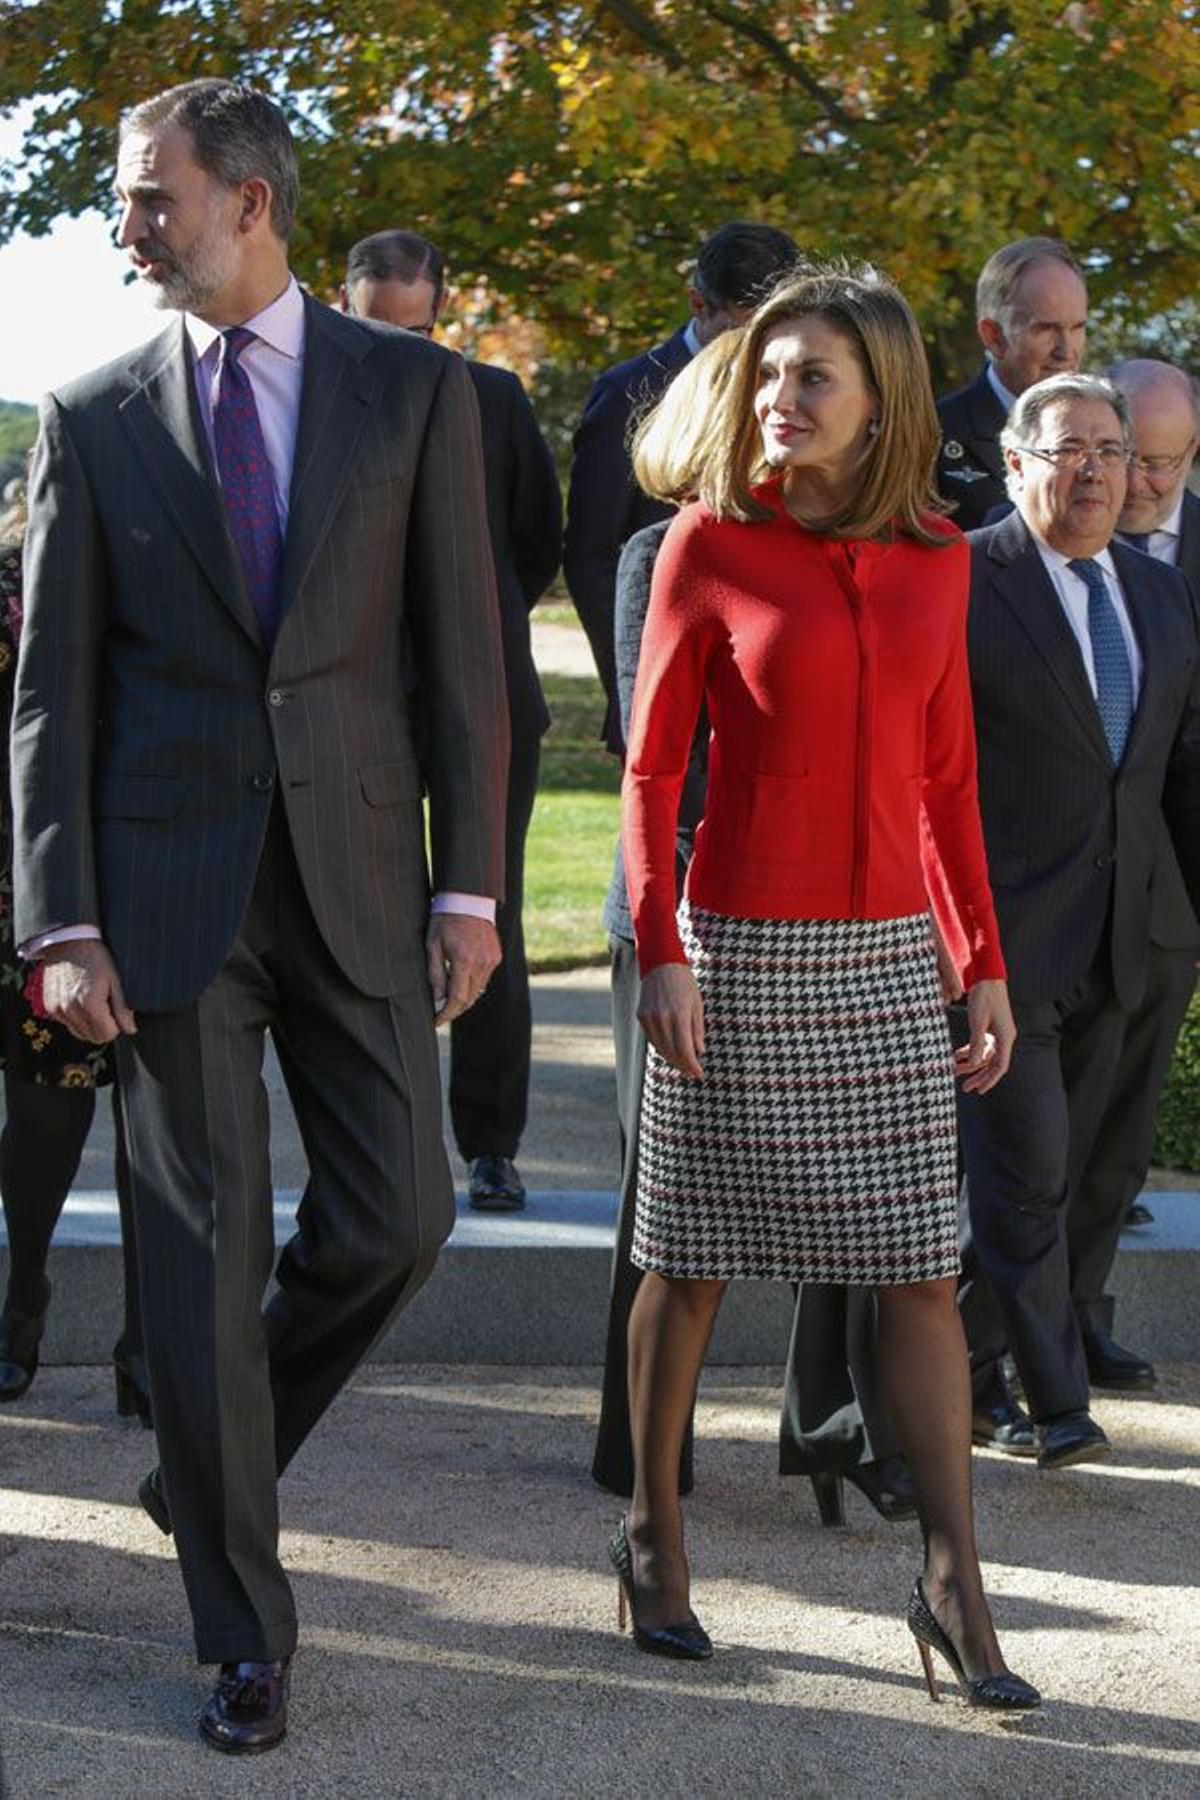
[(261, 615)]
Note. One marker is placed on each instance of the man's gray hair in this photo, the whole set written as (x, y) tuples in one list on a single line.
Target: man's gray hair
[(238, 134), (1001, 273), (1024, 421)]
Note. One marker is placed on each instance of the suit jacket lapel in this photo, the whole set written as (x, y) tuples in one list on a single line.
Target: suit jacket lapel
[(162, 417), (335, 396), (987, 422), (1021, 579)]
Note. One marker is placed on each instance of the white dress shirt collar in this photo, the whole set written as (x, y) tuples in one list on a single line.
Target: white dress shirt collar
[(691, 338), (280, 324)]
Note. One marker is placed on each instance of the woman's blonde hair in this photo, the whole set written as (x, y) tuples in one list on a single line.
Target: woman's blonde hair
[(895, 490), (673, 440)]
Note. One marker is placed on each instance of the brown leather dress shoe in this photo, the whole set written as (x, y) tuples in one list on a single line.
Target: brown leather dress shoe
[(248, 1709)]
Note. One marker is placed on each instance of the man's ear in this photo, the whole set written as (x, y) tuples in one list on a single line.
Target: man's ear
[(344, 298), (256, 203), (991, 336), (697, 303), (1012, 459)]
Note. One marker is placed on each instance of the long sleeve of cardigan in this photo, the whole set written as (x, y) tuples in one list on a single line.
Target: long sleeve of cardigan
[(676, 644), (956, 874)]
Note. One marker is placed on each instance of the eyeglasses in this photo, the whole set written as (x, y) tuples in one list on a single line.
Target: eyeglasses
[(1076, 456), (1158, 466)]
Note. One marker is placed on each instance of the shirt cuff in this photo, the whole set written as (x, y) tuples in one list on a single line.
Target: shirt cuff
[(474, 906), (66, 934)]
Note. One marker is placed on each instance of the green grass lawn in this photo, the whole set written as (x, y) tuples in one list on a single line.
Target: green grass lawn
[(569, 852)]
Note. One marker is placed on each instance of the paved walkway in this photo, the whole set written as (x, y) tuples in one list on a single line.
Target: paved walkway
[(458, 1621)]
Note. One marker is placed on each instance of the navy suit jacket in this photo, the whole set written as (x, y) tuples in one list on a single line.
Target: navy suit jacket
[(524, 508), (605, 506), (1077, 849), (970, 468)]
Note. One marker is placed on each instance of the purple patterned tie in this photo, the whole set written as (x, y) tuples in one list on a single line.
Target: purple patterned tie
[(246, 482)]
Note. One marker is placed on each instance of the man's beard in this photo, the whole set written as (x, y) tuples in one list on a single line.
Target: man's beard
[(190, 279)]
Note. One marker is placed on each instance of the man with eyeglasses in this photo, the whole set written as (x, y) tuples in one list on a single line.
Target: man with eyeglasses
[(1161, 516), (1031, 308), (398, 278), (1085, 670)]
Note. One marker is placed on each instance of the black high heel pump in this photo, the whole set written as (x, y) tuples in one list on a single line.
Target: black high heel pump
[(688, 1641), (885, 1484), (1006, 1692)]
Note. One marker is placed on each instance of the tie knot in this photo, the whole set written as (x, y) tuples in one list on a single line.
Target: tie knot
[(1137, 540), (1089, 571), (235, 341)]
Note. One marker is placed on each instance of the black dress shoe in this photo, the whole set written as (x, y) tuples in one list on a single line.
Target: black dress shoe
[(998, 1422), (154, 1500), (494, 1185), (1072, 1437), (1137, 1213), (1109, 1366), (248, 1709), (20, 1338), (688, 1641)]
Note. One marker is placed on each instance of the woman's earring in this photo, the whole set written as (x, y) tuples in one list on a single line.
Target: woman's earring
[(872, 428)]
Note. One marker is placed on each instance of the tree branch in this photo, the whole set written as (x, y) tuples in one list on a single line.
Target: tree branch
[(783, 60)]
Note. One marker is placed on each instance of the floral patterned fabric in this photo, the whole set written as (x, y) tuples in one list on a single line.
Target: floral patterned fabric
[(32, 1046)]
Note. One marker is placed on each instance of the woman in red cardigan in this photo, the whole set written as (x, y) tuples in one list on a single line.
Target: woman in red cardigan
[(798, 1113)]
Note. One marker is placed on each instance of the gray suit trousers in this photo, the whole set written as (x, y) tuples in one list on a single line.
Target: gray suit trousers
[(236, 1388)]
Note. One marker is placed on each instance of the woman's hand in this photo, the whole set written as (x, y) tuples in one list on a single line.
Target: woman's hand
[(983, 1062), (671, 1013)]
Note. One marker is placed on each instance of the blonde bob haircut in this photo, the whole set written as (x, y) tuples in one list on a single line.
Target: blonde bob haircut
[(674, 439), (895, 490)]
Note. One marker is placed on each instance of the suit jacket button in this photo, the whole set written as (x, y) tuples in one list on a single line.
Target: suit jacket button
[(262, 783), (276, 697)]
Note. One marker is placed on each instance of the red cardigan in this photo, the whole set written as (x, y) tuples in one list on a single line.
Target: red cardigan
[(836, 680)]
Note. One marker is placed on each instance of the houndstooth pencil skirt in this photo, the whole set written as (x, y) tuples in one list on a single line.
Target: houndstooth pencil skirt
[(820, 1145)]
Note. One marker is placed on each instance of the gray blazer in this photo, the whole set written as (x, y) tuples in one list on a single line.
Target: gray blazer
[(152, 728), (1076, 849)]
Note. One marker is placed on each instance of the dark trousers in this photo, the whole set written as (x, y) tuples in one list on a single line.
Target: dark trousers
[(833, 1416), (490, 1045), (1123, 1144), (1025, 1146), (236, 1389)]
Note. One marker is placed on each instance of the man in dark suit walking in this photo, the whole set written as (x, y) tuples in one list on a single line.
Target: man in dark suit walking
[(1085, 673), (735, 267), (258, 564), (1162, 518), (399, 278), (1031, 315)]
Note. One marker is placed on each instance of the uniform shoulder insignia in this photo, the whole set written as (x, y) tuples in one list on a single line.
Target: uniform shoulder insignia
[(952, 449)]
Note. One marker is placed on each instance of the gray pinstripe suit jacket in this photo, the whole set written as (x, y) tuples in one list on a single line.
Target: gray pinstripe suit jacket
[(152, 728)]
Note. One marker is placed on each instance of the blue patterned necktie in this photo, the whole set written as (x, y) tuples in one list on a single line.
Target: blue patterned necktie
[(1114, 677), (246, 482)]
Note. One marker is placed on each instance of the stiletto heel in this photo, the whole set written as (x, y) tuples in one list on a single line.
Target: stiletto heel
[(831, 1499), (927, 1664), (688, 1641), (1003, 1692)]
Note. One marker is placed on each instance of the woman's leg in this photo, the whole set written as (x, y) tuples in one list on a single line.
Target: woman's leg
[(45, 1129), (922, 1357), (669, 1329)]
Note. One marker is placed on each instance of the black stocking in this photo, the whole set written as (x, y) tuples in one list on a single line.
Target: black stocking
[(922, 1357)]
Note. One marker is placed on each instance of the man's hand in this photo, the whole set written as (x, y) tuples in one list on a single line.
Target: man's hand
[(460, 954), (82, 990), (983, 1061), (671, 1013)]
